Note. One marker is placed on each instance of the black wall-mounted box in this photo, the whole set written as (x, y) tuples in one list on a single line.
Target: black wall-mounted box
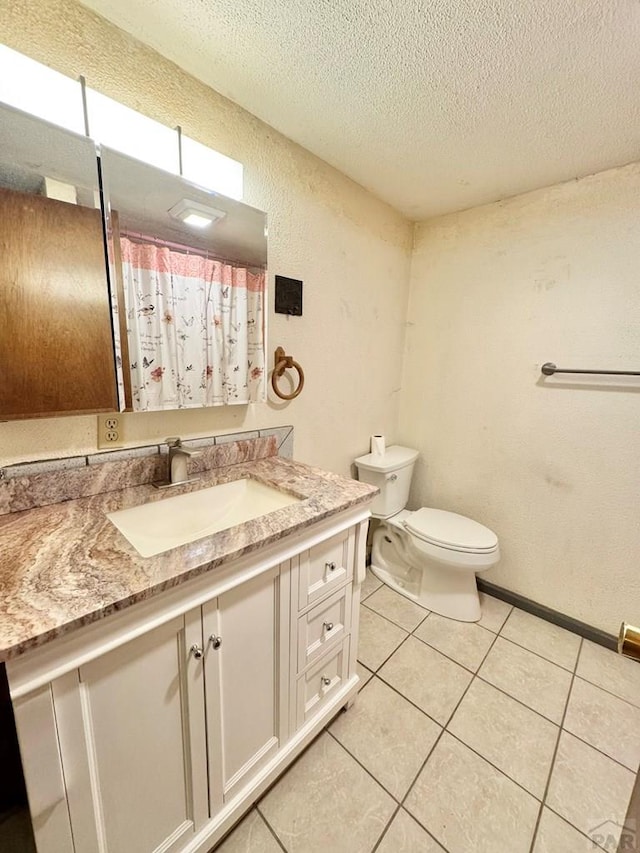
[(288, 296)]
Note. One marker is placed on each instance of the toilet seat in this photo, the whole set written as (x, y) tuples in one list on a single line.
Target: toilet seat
[(451, 531)]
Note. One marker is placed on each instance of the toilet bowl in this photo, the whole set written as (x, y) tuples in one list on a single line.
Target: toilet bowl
[(429, 555)]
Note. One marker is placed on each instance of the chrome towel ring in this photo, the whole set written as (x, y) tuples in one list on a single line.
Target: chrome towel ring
[(284, 362)]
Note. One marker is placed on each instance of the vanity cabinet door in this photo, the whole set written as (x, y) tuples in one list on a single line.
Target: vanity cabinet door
[(246, 635), (133, 744)]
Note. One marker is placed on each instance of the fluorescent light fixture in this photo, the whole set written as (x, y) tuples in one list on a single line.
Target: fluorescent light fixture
[(132, 133), (196, 214), (210, 169), (36, 89)]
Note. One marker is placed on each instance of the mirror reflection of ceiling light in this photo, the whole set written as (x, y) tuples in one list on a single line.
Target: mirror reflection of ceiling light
[(196, 214)]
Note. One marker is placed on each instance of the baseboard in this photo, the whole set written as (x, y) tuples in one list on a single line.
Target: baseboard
[(609, 641)]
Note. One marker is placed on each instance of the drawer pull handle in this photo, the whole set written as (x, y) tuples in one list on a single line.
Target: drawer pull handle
[(325, 681), (196, 651), (331, 566), (328, 626), (216, 642)]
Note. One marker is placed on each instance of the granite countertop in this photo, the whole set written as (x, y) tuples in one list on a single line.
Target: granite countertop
[(66, 565)]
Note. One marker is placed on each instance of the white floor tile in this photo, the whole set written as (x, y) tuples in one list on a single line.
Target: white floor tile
[(387, 735), (604, 721), (555, 835), (468, 805), (369, 585), (587, 788), (406, 836), (494, 612), (465, 642), (250, 836), (397, 608), (428, 679), (610, 671), (378, 638), (547, 640), (326, 801), (364, 674), (536, 682), (515, 739)]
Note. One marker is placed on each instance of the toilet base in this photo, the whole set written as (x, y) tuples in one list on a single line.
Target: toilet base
[(441, 589), (462, 605)]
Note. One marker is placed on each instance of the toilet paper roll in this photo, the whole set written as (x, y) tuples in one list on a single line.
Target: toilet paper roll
[(378, 445)]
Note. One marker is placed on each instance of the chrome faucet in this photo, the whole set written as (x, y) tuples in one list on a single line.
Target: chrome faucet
[(178, 456)]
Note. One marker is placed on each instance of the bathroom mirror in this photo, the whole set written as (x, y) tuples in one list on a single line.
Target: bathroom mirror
[(56, 344), (189, 269)]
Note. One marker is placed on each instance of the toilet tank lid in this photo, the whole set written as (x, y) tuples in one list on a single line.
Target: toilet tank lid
[(393, 458)]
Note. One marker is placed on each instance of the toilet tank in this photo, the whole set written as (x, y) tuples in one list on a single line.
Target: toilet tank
[(391, 473)]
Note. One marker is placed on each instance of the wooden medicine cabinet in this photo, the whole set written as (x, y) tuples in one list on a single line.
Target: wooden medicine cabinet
[(56, 341)]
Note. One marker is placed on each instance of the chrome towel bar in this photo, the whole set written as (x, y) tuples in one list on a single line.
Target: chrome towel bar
[(549, 369)]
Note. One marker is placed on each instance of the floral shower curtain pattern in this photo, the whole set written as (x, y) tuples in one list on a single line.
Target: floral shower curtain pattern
[(195, 327)]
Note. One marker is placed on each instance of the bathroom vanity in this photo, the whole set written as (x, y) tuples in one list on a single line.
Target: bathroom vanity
[(156, 698)]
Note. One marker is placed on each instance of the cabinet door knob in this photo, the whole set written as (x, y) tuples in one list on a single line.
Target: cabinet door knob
[(325, 681), (216, 642), (196, 651), (328, 626), (331, 566)]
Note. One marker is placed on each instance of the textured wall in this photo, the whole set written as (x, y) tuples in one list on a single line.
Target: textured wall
[(351, 250), (553, 467)]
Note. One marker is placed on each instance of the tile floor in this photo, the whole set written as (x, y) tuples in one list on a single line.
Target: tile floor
[(503, 736)]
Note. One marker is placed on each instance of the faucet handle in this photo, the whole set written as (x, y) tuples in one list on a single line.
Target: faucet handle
[(174, 441)]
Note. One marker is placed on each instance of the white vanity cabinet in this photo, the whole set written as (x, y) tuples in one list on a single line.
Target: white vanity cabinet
[(154, 729), (131, 729), (246, 631)]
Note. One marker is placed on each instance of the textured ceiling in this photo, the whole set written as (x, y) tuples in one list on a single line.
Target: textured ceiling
[(433, 105)]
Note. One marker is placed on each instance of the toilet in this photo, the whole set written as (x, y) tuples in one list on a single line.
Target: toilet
[(429, 555)]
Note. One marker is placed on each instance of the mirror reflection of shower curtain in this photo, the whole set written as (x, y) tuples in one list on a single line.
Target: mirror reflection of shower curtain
[(195, 327)]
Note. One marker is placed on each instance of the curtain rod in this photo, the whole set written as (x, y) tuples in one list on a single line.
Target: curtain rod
[(187, 250)]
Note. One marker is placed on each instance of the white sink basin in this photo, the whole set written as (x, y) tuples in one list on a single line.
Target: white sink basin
[(156, 527)]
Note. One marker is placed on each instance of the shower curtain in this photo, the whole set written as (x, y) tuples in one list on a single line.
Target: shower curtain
[(195, 328)]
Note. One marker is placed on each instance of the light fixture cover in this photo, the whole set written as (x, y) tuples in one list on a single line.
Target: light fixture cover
[(195, 213)]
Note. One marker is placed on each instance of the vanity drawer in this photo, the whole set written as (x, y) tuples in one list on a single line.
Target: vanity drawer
[(325, 567), (321, 682), (323, 625)]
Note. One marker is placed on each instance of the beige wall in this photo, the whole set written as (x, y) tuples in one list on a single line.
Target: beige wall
[(351, 250), (553, 467)]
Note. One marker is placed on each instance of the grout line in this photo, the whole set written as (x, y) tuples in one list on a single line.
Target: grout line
[(502, 772), (366, 770), (412, 785), (401, 643), (369, 594), (542, 657), (386, 829), (596, 749), (519, 701), (475, 675), (555, 752), (393, 622), (608, 692), (593, 844), (411, 634), (406, 698), (453, 660), (539, 654), (271, 829)]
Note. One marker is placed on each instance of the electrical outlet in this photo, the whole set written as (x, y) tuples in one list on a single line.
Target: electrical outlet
[(110, 431)]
